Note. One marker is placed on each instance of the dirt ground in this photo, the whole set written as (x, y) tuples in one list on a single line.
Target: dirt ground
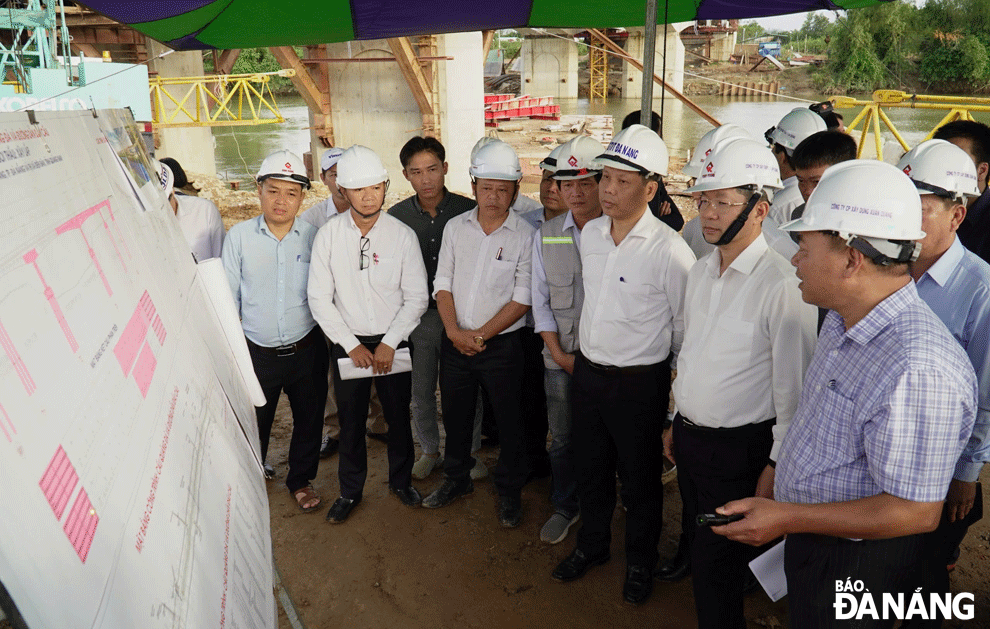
[(392, 566)]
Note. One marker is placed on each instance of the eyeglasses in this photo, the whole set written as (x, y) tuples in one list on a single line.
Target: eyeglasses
[(718, 206), (364, 259)]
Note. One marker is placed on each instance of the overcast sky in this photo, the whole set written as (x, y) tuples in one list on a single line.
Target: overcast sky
[(790, 22)]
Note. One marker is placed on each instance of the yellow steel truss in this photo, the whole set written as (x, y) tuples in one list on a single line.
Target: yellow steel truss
[(215, 101), (598, 66), (872, 114)]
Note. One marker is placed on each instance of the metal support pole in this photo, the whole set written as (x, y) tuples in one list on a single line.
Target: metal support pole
[(649, 56)]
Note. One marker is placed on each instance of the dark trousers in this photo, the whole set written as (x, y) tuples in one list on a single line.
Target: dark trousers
[(941, 545), (715, 466), (534, 401), (302, 374), (497, 370), (814, 563), (616, 420), (395, 394)]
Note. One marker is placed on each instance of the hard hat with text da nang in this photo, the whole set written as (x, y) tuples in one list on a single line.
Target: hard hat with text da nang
[(360, 167), (707, 143), (637, 148), (873, 206), (496, 160), (941, 168), (794, 128), (579, 159), (284, 165)]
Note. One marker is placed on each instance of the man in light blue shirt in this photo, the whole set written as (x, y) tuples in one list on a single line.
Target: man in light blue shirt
[(955, 283), (267, 263)]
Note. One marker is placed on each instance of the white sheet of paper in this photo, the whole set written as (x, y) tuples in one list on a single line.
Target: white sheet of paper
[(769, 571), (349, 371)]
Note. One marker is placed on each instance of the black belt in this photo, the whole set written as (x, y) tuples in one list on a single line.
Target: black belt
[(736, 430), (290, 349), (617, 371)]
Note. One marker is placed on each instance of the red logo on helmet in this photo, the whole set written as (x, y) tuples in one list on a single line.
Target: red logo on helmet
[(710, 167), (907, 170), (288, 166), (572, 160)]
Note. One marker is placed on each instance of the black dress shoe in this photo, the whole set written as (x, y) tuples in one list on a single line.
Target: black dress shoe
[(639, 584), (340, 509), (329, 447), (676, 570), (377, 436), (448, 492), (510, 512), (409, 496), (576, 564)]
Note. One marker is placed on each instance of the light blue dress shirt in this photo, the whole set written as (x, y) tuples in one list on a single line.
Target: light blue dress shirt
[(957, 289), (268, 278)]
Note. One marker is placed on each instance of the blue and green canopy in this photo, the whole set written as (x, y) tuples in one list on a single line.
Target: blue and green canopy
[(228, 24)]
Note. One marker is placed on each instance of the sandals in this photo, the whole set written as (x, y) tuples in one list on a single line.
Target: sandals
[(306, 496)]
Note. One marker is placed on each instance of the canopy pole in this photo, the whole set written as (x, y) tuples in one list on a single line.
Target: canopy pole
[(663, 72), (649, 57)]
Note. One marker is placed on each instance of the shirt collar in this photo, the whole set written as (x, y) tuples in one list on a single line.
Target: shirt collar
[(511, 222), (569, 222), (744, 263), (263, 226), (444, 201), (643, 228), (945, 265), (882, 314)]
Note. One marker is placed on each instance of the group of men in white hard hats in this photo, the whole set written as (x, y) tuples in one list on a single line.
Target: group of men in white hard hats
[(848, 428)]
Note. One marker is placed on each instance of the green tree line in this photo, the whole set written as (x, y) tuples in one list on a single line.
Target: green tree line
[(253, 60), (942, 46)]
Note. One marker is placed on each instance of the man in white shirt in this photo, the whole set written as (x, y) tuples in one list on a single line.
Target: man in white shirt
[(558, 294), (318, 214), (482, 288), (634, 269), (367, 290), (199, 219), (784, 138), (748, 339)]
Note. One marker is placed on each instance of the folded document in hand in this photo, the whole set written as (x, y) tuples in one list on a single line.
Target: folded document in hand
[(349, 371)]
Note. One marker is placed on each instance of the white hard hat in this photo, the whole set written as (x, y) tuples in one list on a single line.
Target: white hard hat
[(579, 159), (330, 157), (284, 165), (795, 127), (496, 160), (165, 177), (483, 141), (942, 168), (737, 162), (550, 161), (868, 199), (360, 167), (636, 148), (708, 142)]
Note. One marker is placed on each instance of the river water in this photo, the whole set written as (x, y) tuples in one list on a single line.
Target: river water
[(239, 150)]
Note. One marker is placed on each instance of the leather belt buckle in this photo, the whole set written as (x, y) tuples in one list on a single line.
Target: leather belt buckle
[(285, 350)]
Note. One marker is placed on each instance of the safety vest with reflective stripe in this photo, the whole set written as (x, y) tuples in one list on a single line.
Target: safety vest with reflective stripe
[(562, 264)]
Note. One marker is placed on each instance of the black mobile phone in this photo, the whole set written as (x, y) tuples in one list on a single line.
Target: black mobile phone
[(714, 519)]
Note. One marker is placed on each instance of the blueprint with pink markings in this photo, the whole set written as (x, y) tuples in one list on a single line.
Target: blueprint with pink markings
[(133, 494)]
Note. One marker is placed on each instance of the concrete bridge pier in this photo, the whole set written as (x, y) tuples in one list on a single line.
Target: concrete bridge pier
[(549, 67), (632, 78)]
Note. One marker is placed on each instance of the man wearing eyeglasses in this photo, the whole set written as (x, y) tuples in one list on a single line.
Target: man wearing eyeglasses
[(748, 339), (267, 263), (367, 290)]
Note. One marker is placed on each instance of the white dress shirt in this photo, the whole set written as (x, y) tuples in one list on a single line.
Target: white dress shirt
[(524, 204), (543, 319), (485, 272), (784, 202), (319, 213), (200, 222), (388, 297), (633, 310), (748, 341)]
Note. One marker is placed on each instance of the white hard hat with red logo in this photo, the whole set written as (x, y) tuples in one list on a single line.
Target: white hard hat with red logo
[(284, 165), (496, 160), (707, 144), (550, 161), (941, 168), (579, 159), (738, 162)]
